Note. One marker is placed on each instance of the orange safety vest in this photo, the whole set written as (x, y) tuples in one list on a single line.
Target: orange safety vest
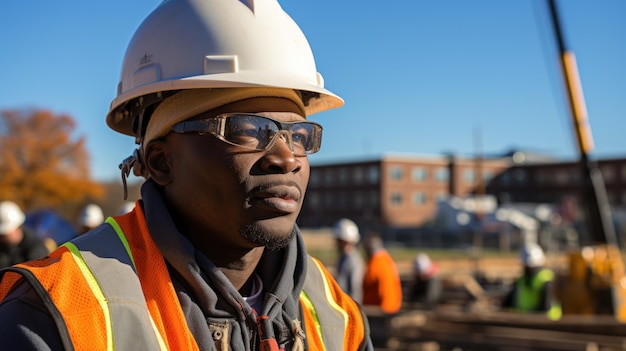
[(110, 289), (381, 283)]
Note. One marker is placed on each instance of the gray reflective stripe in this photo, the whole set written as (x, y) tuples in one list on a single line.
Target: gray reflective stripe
[(332, 318), (110, 264)]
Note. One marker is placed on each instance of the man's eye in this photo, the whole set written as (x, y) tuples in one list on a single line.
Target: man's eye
[(300, 136)]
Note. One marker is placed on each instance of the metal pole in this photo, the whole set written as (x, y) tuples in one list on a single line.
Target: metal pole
[(599, 219)]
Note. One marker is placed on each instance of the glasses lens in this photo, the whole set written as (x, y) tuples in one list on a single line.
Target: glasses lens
[(303, 136), (257, 132), (253, 132)]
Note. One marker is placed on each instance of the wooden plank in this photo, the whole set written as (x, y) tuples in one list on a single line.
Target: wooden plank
[(504, 332)]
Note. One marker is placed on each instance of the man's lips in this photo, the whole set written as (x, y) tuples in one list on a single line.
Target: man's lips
[(280, 198)]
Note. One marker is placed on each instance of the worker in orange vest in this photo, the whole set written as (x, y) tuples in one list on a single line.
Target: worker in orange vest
[(381, 284), (216, 93)]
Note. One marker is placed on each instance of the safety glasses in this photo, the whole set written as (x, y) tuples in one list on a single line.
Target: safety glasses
[(255, 132)]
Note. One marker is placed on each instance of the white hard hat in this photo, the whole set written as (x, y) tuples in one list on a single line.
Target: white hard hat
[(422, 263), (11, 217), (91, 216), (346, 230), (191, 44), (532, 255)]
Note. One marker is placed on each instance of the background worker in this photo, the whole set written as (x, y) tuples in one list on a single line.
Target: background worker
[(17, 243), (426, 285), (350, 265), (217, 94), (381, 283), (90, 217), (533, 291)]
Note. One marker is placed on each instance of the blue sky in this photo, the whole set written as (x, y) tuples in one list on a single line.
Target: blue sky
[(419, 77)]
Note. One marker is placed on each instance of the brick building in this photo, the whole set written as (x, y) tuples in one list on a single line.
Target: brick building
[(401, 191), (391, 191)]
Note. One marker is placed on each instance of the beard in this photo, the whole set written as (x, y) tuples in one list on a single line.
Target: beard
[(270, 241)]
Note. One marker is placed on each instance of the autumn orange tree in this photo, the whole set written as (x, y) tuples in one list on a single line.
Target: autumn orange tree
[(41, 164)]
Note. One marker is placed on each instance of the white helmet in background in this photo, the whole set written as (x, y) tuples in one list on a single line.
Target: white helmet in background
[(532, 255), (194, 44), (346, 230), (126, 208), (422, 263), (91, 216), (11, 217)]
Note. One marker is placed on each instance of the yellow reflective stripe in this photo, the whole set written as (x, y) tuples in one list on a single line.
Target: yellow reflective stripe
[(95, 288), (330, 299), (120, 234), (158, 334), (309, 306)]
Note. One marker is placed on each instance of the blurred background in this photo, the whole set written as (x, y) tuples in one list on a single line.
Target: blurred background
[(458, 139)]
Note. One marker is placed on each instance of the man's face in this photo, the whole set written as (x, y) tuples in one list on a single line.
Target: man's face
[(224, 196), (12, 238)]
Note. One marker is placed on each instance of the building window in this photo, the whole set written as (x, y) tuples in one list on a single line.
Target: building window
[(576, 177), (314, 178), (313, 199), (343, 200), (329, 177), (469, 176), (373, 175), (540, 177), (328, 200), (419, 174), (396, 199), (419, 198), (562, 177), (520, 176), (358, 175), (442, 174), (608, 173), (358, 200), (396, 173), (343, 175), (374, 199)]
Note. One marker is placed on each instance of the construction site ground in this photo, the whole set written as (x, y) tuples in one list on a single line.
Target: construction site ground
[(467, 315)]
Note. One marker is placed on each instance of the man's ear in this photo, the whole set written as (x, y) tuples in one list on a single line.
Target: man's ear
[(157, 161)]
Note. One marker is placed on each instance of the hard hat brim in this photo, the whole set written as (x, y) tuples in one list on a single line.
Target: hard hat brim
[(119, 121)]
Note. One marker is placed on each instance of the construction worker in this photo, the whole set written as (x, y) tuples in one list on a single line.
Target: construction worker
[(350, 265), (381, 284), (90, 217), (426, 285), (533, 291), (216, 93), (17, 243)]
